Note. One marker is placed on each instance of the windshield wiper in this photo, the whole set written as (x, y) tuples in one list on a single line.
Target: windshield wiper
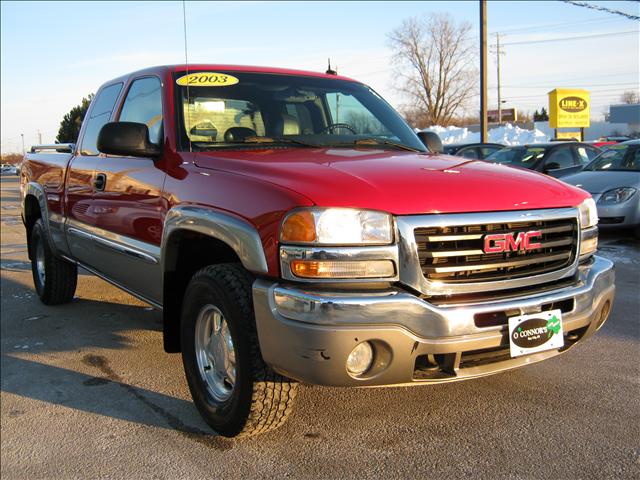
[(270, 140), (254, 141), (376, 142)]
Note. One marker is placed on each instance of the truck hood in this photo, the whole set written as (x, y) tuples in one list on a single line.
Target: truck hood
[(401, 183)]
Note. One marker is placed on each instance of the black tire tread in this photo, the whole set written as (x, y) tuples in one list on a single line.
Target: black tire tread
[(61, 275), (273, 395)]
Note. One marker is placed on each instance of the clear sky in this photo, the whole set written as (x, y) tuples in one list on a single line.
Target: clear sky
[(54, 53)]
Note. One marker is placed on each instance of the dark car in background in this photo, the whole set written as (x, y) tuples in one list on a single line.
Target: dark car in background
[(613, 179), (556, 159), (472, 150)]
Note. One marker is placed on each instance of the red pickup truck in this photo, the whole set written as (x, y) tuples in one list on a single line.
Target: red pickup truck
[(293, 228)]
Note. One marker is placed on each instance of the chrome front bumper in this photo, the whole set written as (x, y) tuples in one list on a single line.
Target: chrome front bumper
[(308, 334)]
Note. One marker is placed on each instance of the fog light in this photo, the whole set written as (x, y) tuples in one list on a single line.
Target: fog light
[(360, 359)]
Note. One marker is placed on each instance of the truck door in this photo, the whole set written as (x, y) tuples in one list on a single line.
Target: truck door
[(79, 185), (127, 201)]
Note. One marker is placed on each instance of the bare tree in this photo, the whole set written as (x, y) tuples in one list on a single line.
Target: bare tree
[(434, 60), (629, 97)]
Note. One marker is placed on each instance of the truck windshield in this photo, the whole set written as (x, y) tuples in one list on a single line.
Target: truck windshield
[(238, 109)]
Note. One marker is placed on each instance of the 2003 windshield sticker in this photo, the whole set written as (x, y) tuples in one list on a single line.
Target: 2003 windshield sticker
[(207, 79)]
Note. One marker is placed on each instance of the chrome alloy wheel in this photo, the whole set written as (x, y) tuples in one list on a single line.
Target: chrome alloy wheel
[(40, 262), (215, 353)]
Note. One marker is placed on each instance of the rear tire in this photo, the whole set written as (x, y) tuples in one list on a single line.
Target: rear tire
[(55, 278), (236, 393)]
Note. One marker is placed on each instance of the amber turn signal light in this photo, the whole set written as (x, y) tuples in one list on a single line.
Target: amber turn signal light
[(342, 269), (299, 227)]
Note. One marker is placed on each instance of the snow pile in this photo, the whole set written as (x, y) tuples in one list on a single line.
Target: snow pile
[(506, 134)]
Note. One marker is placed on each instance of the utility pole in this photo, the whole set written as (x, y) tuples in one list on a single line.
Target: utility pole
[(483, 71), (23, 151), (499, 52), (39, 137)]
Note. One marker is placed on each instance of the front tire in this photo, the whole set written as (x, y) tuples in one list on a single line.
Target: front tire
[(236, 393), (55, 278)]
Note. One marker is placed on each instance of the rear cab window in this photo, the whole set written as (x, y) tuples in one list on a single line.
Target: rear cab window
[(208, 118)]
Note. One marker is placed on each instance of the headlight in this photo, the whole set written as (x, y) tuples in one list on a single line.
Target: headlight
[(337, 226), (617, 195), (588, 213)]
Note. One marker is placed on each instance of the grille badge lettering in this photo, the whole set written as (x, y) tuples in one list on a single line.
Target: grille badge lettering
[(507, 242)]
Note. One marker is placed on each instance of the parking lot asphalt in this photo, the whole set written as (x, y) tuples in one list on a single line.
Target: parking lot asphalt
[(88, 392)]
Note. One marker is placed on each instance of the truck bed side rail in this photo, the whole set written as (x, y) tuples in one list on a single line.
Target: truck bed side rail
[(58, 147)]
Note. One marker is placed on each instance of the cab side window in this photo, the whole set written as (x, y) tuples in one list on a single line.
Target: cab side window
[(99, 114), (560, 158), (143, 104)]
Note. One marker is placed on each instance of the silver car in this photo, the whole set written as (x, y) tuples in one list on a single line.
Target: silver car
[(613, 179)]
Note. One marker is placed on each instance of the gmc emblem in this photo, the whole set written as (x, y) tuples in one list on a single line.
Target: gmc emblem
[(506, 242)]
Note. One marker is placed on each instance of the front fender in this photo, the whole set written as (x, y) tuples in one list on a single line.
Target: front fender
[(239, 234)]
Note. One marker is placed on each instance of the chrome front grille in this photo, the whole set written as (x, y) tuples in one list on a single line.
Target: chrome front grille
[(455, 255)]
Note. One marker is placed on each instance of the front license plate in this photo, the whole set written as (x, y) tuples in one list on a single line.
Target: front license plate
[(535, 332)]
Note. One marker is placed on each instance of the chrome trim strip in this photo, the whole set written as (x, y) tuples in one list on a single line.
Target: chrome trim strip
[(79, 233), (144, 251), (510, 263), (451, 253), (126, 250), (452, 238), (288, 253), (459, 253), (239, 234), (409, 262)]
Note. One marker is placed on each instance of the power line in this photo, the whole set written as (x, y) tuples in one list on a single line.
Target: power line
[(581, 85), (563, 39), (552, 26), (603, 9)]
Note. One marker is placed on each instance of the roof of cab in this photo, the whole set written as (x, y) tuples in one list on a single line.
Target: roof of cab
[(228, 68)]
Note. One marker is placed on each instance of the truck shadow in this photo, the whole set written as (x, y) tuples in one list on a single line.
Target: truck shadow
[(81, 324), (71, 389)]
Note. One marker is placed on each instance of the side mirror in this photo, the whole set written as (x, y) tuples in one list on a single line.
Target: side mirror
[(431, 141), (127, 139)]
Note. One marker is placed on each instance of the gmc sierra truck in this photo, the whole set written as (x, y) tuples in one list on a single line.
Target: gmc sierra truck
[(293, 228)]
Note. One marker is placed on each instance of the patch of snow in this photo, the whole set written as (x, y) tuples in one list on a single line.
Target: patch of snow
[(505, 134)]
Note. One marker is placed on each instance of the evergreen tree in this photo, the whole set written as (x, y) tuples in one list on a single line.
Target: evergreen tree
[(72, 121)]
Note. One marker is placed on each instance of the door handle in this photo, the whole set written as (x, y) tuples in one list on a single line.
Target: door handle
[(100, 181)]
